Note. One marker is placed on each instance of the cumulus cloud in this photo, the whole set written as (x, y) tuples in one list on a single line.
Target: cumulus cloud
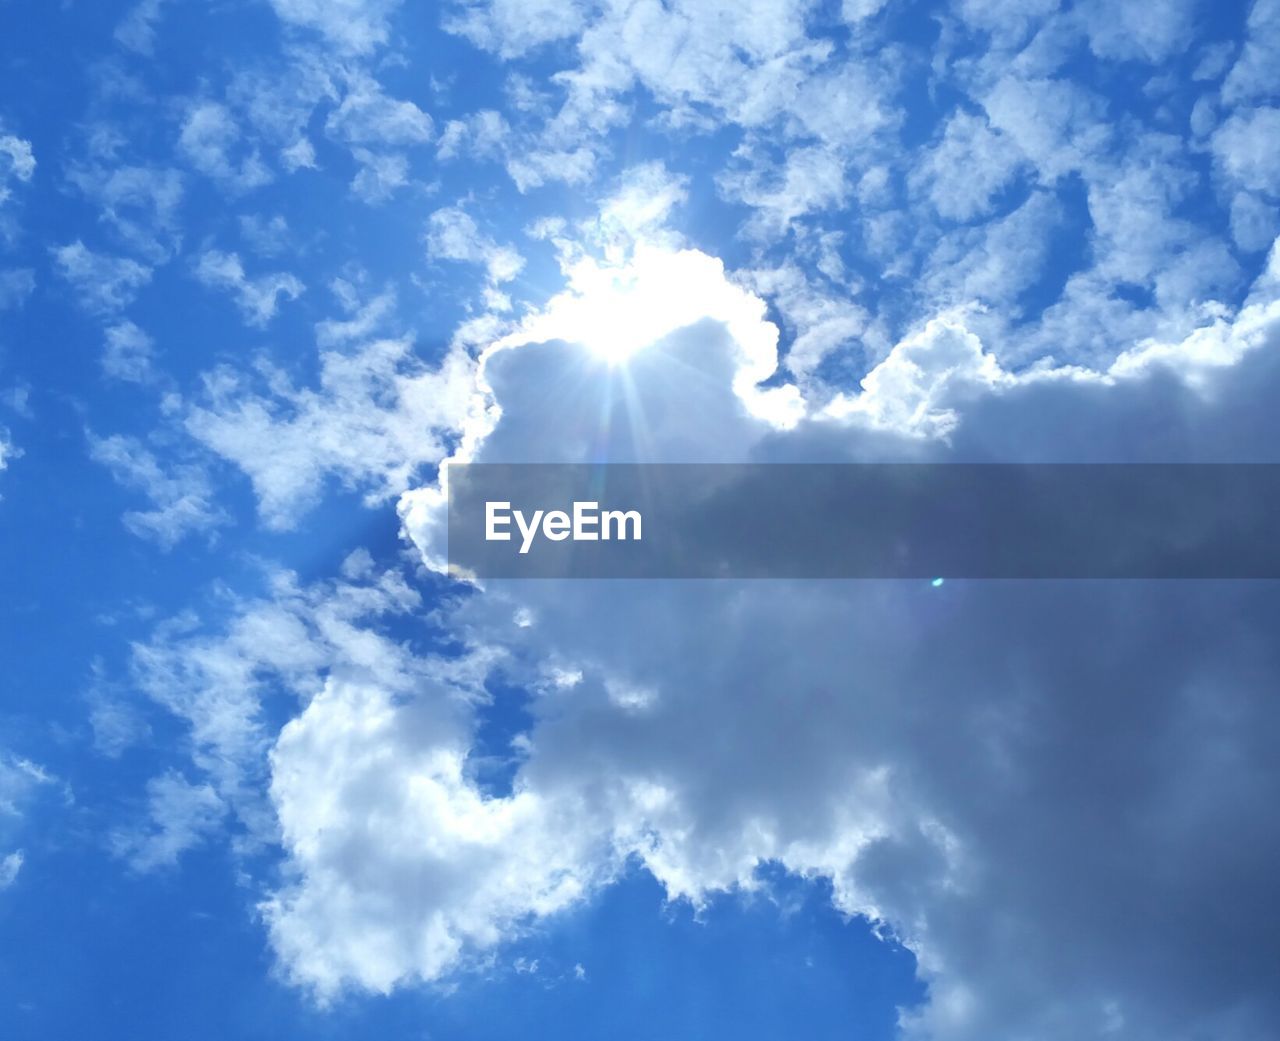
[(260, 656), (1079, 775), (464, 874), (820, 123), (469, 868), (366, 317), (995, 262), (961, 771)]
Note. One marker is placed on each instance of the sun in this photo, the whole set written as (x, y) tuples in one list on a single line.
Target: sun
[(616, 308), (611, 315)]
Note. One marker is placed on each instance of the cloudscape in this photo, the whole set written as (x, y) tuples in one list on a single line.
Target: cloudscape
[(273, 765)]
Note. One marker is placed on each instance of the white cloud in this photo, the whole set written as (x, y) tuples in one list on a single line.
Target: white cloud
[(210, 138), (300, 155), (911, 391), (1254, 223), (257, 297), (538, 167), (1146, 30), (1009, 21), (377, 416), (452, 234), (10, 865), (930, 753), (808, 180), (845, 106), (278, 101), (514, 27), (1204, 115), (614, 309), (1215, 59), (639, 210), (104, 284), (181, 494), (922, 753), (368, 116), (117, 724), (1252, 77), (20, 779), (16, 284), (462, 872), (357, 26), (970, 165), (181, 815), (752, 64), (825, 318), (17, 163), (8, 450), (367, 317), (21, 784), (992, 263), (268, 238), (137, 30), (744, 58), (1247, 146), (379, 176), (483, 135), (275, 653), (128, 353), (464, 860), (1056, 124), (141, 204), (856, 11)]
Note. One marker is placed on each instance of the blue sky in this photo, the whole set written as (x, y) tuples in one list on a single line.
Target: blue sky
[(265, 771)]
